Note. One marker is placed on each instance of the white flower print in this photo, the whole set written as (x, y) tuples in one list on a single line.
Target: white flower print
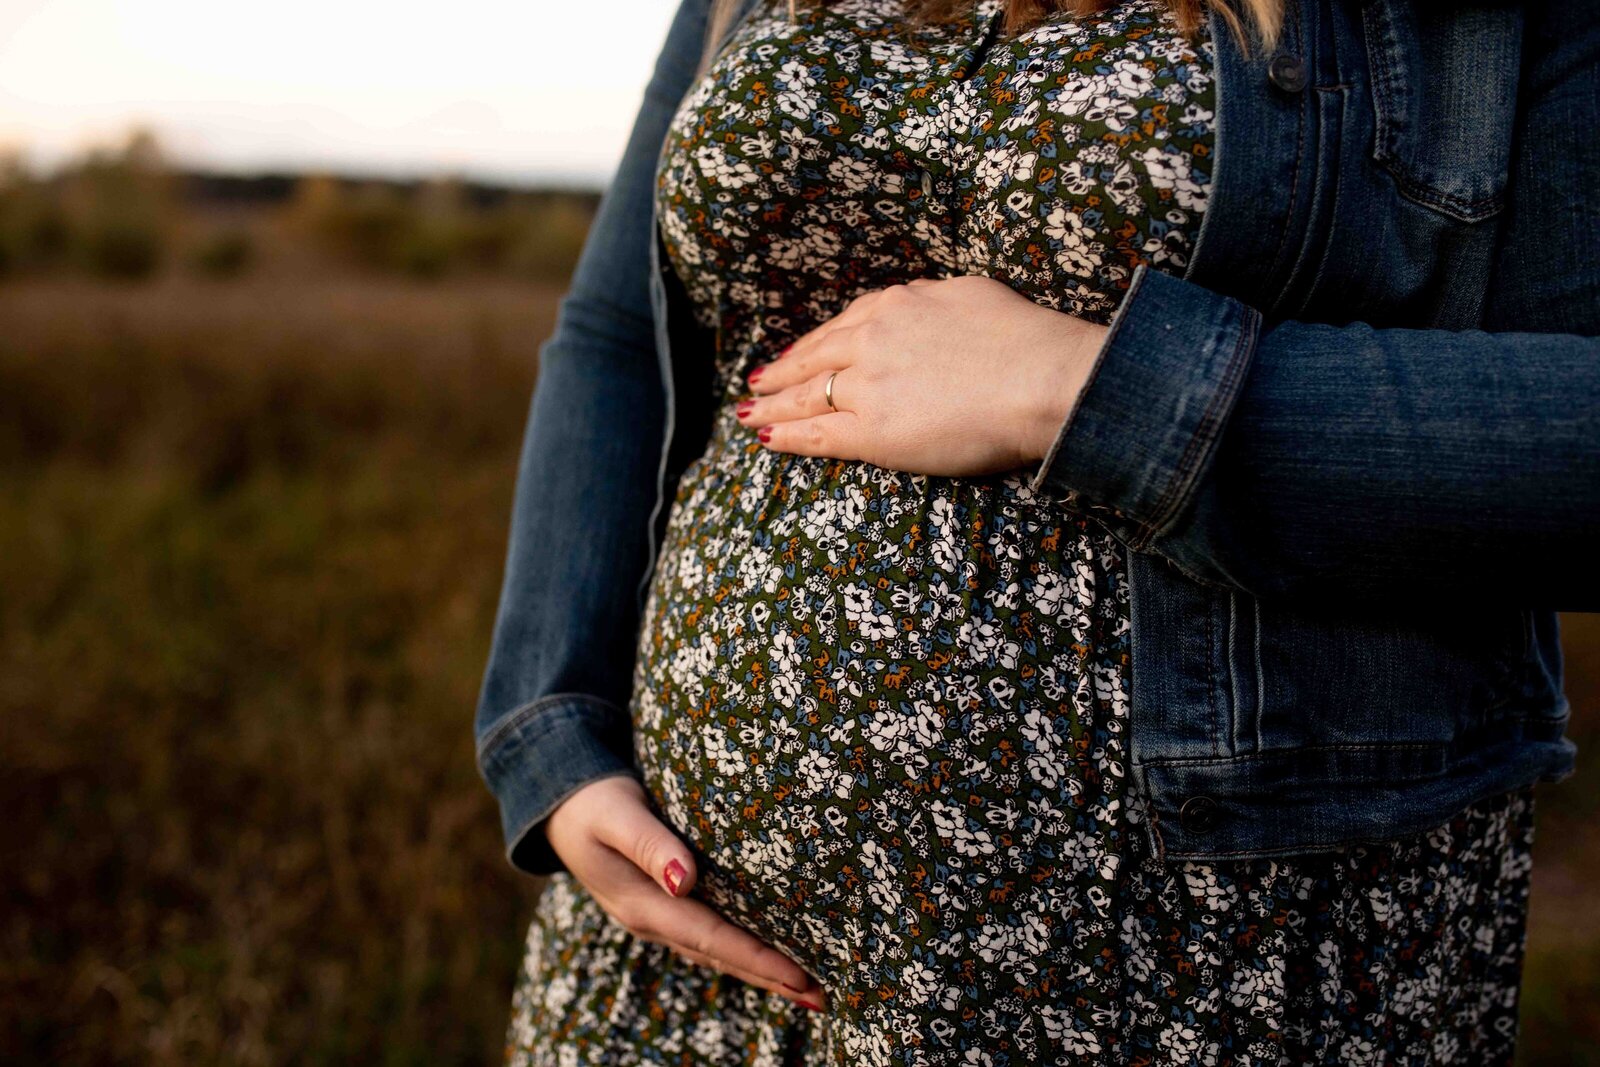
[(1123, 187), (1005, 164), (1080, 253), (855, 175), (1130, 79), (1180, 1042), (1115, 112), (1175, 172), (724, 170), (861, 609), (892, 713), (964, 110), (918, 133), (796, 85), (954, 830)]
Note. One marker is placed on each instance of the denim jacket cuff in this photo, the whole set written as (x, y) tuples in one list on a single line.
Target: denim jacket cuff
[(1147, 422), (541, 753)]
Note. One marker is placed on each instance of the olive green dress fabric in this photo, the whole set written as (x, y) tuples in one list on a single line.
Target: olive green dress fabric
[(889, 711)]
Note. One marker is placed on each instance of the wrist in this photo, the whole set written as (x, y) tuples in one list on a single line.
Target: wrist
[(1059, 378)]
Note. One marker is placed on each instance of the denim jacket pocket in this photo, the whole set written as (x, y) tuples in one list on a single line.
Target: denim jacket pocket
[(1444, 86)]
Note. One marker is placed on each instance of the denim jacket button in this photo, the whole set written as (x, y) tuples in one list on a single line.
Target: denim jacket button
[(1287, 72), (1198, 815)]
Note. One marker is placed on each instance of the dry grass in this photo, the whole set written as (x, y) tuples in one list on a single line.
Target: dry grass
[(250, 544), (1560, 1015)]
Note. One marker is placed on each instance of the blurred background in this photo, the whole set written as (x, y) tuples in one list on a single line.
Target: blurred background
[(271, 296)]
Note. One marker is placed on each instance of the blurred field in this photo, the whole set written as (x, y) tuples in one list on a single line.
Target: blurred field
[(250, 542), (251, 530)]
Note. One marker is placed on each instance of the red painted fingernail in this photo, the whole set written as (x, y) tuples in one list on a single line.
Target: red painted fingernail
[(744, 408), (803, 997), (765, 433), (755, 374), (673, 876)]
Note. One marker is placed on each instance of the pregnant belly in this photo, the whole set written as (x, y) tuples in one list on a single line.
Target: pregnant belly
[(886, 710)]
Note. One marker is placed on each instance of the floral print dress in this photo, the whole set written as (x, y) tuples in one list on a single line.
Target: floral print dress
[(888, 711)]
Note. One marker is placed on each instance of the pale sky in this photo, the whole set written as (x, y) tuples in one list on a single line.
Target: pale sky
[(502, 91)]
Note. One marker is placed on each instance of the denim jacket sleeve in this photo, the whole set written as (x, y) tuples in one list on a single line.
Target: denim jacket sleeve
[(551, 711), (1290, 458)]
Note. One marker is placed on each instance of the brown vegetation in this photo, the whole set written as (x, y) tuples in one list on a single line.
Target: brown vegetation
[(250, 546), (251, 528), (124, 214)]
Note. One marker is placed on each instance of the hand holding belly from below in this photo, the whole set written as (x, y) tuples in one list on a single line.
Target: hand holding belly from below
[(641, 873)]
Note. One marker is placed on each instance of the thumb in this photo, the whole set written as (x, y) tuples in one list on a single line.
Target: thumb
[(632, 828)]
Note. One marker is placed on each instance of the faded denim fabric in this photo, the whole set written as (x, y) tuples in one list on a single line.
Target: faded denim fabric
[(551, 713), (1354, 451)]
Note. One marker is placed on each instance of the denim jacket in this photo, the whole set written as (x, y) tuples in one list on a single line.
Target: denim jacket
[(1354, 451)]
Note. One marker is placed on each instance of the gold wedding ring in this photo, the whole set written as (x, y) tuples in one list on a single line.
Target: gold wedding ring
[(828, 392)]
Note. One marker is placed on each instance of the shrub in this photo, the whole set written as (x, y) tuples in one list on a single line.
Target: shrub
[(224, 255), (123, 248)]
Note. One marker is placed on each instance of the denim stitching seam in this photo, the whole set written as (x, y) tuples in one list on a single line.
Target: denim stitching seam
[(514, 720)]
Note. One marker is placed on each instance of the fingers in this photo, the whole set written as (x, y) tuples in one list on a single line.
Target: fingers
[(791, 370), (632, 828), (815, 354), (803, 400), (698, 928), (690, 927), (640, 871), (797, 418), (835, 435), (699, 934), (850, 315), (809, 998)]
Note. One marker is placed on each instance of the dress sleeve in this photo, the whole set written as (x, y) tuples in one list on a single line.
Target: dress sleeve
[(551, 711), (1290, 458)]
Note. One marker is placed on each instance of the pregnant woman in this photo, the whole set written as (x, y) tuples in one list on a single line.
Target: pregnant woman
[(878, 806)]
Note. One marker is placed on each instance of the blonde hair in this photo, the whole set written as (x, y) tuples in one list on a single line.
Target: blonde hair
[(1265, 15)]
